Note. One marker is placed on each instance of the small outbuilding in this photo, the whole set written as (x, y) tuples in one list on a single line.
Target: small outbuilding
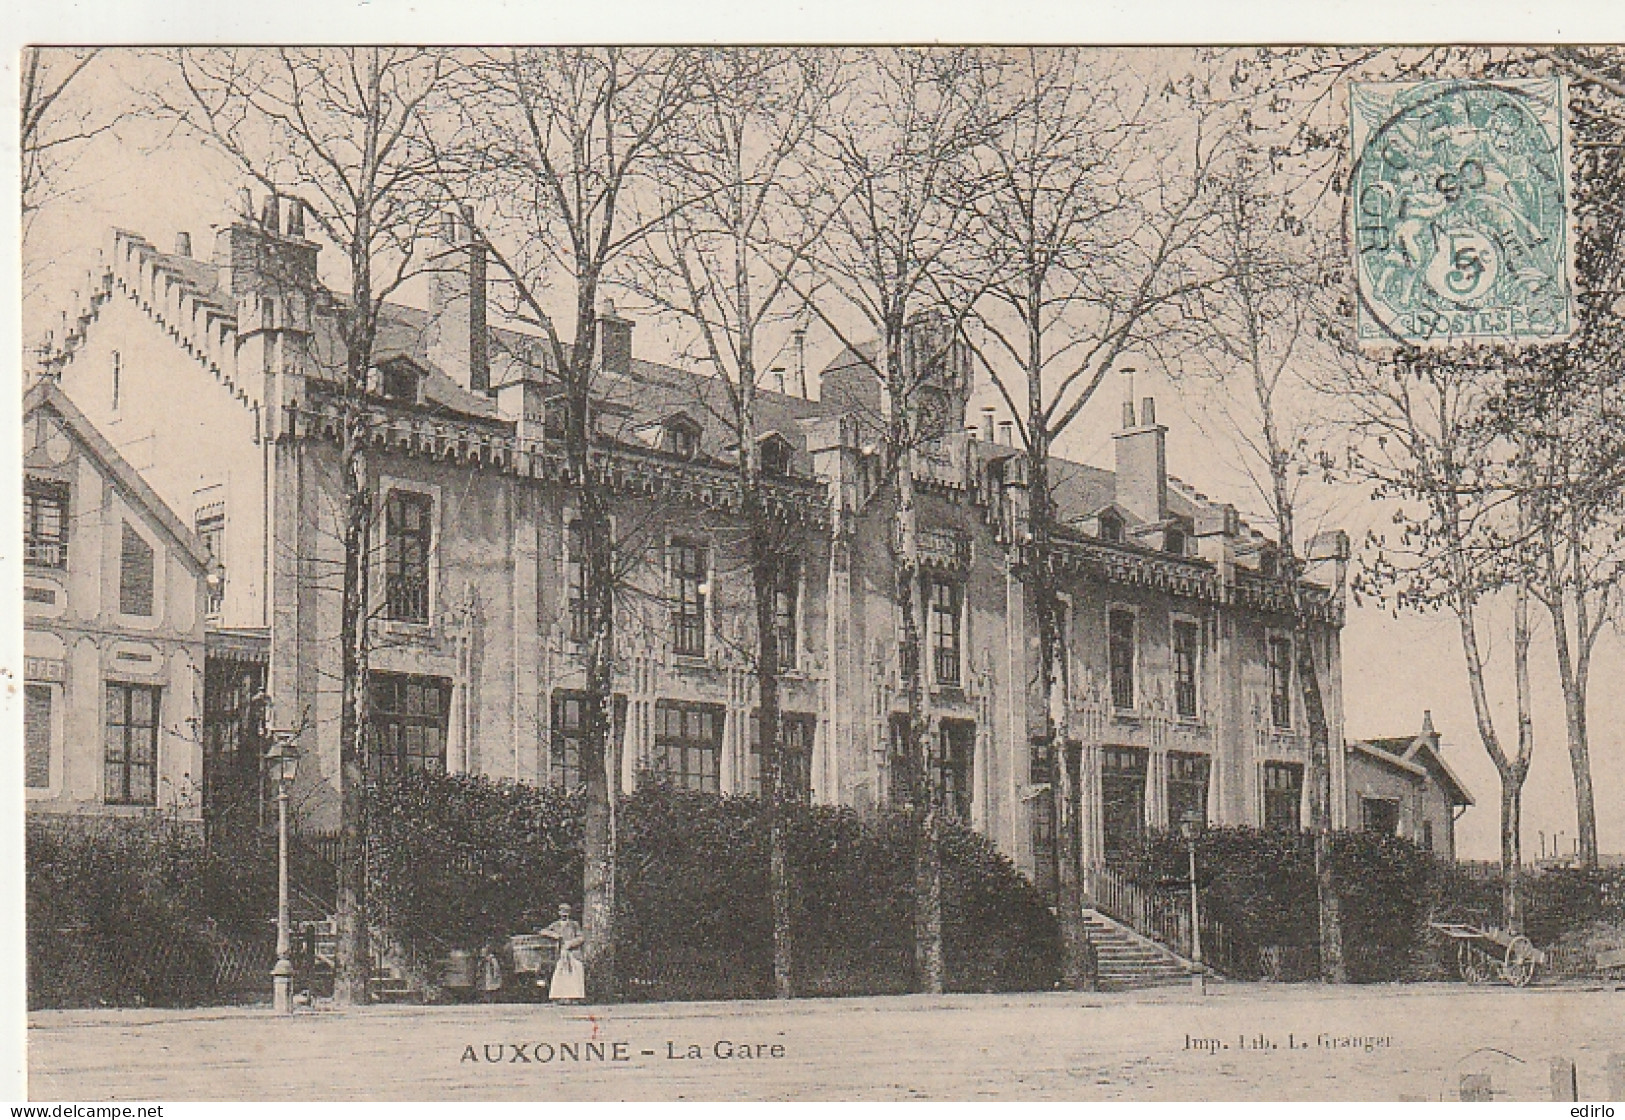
[(1403, 786)]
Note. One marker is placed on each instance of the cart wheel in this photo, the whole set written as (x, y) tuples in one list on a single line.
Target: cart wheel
[(1519, 968), (1471, 963)]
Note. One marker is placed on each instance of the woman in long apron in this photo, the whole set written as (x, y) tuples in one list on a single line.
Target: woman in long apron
[(569, 983)]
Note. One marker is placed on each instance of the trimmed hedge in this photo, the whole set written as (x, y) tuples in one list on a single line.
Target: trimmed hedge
[(121, 913), (1261, 886), (464, 860)]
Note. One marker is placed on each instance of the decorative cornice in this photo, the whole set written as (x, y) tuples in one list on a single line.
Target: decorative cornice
[(1186, 577), (492, 444), (1127, 565)]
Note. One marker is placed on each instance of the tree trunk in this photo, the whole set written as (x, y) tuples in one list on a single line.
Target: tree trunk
[(353, 957), (597, 842), (352, 952), (928, 851), (1077, 952), (1573, 670), (766, 571), (1332, 967), (598, 576)]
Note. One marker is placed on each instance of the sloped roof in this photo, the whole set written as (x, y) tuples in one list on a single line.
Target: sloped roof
[(1417, 755), (47, 394), (651, 390)]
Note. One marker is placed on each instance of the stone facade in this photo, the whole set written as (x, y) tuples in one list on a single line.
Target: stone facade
[(114, 590), (1182, 697)]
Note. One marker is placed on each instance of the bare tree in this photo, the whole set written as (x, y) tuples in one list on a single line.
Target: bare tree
[(1091, 221), (55, 125), (337, 129), (1428, 444), (1564, 407), (893, 160), (1263, 327), (741, 227), (558, 143)]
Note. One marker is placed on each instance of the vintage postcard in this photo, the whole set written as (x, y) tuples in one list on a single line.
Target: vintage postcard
[(813, 572)]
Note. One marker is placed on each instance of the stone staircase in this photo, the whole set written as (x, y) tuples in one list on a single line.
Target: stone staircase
[(1128, 961)]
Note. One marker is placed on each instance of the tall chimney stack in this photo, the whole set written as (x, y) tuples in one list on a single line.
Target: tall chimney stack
[(1142, 463), (459, 338)]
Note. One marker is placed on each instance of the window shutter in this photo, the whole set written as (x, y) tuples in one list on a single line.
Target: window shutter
[(135, 574)]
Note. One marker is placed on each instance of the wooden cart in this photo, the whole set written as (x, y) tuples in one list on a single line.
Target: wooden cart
[(1485, 954)]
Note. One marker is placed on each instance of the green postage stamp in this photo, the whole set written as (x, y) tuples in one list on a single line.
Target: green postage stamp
[(1459, 214)]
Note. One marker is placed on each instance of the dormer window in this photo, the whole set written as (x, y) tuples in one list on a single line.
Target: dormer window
[(681, 438), (399, 382), (1111, 527), (776, 456)]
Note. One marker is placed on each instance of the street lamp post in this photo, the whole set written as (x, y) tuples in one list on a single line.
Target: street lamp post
[(282, 763), (1190, 827)]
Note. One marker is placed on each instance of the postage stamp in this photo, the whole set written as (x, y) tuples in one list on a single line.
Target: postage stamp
[(1459, 208)]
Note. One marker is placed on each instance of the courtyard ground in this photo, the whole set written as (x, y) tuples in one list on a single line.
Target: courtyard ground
[(1241, 1042)]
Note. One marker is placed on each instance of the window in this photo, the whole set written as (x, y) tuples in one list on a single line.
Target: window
[(135, 574), (570, 731), (1187, 787), (1187, 654), (234, 744), (211, 530), (903, 760), (956, 755), (400, 382), (37, 736), (575, 579), (1111, 527), (408, 536), (1427, 836), (118, 370), (131, 770), (1041, 773), (946, 620), (1280, 674), (1122, 794), (1174, 541), (409, 719), (682, 439), (795, 756), (45, 523), (1120, 655), (689, 561), (1283, 794), (775, 456), (785, 604), (688, 744), (1379, 814)]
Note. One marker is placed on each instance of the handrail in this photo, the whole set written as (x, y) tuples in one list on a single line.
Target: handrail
[(1164, 918)]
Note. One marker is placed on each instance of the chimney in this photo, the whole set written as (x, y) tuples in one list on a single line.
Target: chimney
[(1142, 463), (246, 265), (459, 336), (614, 339), (183, 244), (296, 218), (987, 422)]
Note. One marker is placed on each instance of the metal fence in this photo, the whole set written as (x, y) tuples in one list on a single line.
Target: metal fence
[(180, 967)]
